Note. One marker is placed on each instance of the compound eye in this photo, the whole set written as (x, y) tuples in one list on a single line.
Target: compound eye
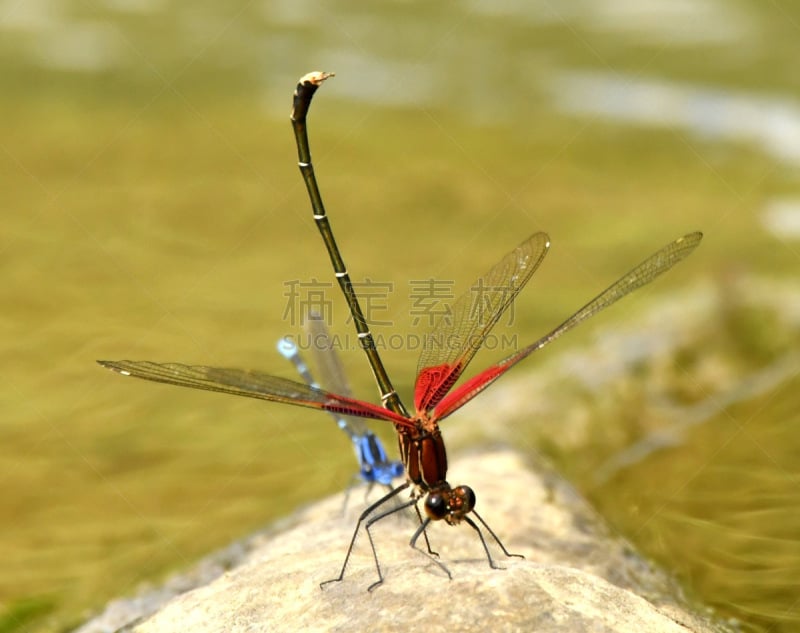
[(436, 507), (467, 498)]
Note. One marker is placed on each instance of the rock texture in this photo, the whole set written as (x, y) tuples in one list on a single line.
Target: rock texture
[(575, 576)]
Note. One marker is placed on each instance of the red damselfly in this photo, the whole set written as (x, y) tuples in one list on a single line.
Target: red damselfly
[(436, 395)]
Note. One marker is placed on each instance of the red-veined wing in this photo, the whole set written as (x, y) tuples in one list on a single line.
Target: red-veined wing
[(458, 336), (253, 384), (655, 265)]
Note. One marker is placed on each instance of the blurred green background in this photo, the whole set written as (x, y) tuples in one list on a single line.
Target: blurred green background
[(153, 210)]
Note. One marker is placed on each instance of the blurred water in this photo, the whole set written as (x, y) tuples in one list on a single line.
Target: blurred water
[(781, 217), (422, 62), (677, 23), (416, 64), (770, 122)]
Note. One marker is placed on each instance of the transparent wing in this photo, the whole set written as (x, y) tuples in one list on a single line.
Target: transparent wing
[(326, 359), (330, 369), (375, 465), (457, 337), (252, 384), (654, 266)]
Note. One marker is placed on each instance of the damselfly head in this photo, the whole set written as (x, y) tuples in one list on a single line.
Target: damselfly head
[(450, 504)]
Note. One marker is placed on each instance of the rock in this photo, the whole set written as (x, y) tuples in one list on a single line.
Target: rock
[(575, 575)]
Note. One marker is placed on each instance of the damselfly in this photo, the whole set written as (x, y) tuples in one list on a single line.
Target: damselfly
[(374, 465), (436, 395)]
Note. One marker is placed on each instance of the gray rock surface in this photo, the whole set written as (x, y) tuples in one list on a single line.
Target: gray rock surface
[(575, 576)]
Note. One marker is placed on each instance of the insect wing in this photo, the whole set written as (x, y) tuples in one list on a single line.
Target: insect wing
[(375, 465), (651, 268), (330, 370), (252, 384), (457, 337)]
